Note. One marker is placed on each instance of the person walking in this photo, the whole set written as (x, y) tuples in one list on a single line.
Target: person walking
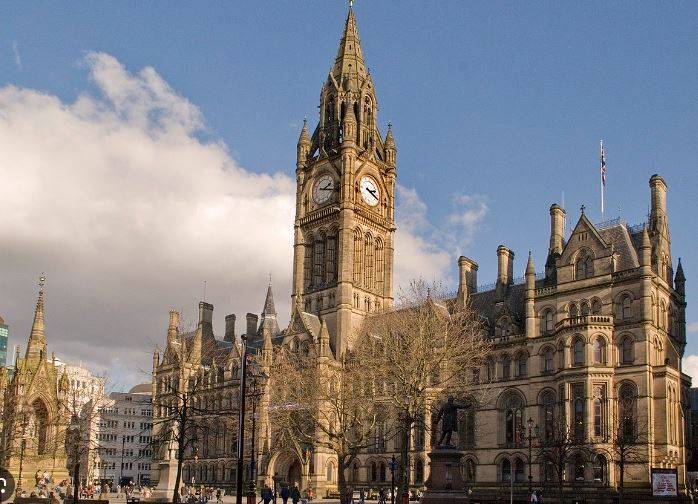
[(295, 494), (285, 494), (267, 494)]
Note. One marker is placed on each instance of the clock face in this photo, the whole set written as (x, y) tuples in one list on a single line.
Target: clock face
[(324, 187), (369, 191)]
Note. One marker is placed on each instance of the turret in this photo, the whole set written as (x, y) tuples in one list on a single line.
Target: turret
[(659, 229), (530, 297), (557, 229), (467, 281), (156, 360), (206, 317), (389, 146)]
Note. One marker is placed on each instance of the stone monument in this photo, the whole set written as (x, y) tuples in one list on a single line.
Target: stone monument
[(445, 484)]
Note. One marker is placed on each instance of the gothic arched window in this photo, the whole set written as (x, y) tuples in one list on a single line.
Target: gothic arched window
[(512, 414), (466, 428), (319, 260), (578, 468), (548, 321), (506, 367), (358, 256), (599, 350), (595, 307), (380, 266), (521, 365), (518, 470), (627, 397), (547, 415), (368, 262), (374, 471), (584, 267), (626, 308), (600, 468), (599, 405), (578, 352), (585, 308), (573, 310), (548, 360), (505, 470), (382, 472), (331, 258), (40, 427)]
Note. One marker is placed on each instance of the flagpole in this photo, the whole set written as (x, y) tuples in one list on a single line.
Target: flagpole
[(602, 176)]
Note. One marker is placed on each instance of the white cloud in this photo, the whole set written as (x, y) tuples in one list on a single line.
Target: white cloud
[(127, 210), (690, 367), (15, 53), (430, 250), (692, 327)]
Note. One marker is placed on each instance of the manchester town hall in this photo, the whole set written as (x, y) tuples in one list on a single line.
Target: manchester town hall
[(595, 333)]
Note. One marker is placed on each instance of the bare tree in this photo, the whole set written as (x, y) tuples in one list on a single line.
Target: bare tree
[(559, 443), (424, 351), (627, 439), (323, 402), (183, 413)]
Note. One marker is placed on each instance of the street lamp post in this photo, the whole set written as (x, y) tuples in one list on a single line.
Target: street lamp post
[(393, 467), (241, 420), (531, 435), (121, 474)]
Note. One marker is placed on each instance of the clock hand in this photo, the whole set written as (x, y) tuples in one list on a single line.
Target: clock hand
[(326, 188), (373, 193)]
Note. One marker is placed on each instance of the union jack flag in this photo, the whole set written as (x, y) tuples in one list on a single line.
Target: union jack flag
[(603, 165)]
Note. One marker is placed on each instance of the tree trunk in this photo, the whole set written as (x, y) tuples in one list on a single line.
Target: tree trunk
[(405, 460), (344, 491), (621, 466)]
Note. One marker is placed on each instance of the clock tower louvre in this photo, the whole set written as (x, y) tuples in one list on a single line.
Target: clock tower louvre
[(344, 227)]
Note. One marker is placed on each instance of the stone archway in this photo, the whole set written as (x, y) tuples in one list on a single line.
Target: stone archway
[(295, 474)]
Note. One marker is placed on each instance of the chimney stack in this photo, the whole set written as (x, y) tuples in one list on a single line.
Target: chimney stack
[(206, 314), (505, 265), (467, 283), (173, 326), (252, 324), (557, 229), (229, 328), (658, 188)]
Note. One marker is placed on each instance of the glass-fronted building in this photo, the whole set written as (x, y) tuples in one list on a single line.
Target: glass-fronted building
[(4, 336)]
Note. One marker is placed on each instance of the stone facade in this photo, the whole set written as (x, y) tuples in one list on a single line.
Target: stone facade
[(604, 319)]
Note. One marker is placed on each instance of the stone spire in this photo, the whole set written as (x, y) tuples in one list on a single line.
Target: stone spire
[(324, 340), (195, 351), (37, 338), (349, 69), (530, 268), (269, 310)]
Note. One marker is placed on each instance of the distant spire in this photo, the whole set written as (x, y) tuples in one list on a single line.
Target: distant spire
[(679, 277), (37, 338), (389, 139), (269, 308)]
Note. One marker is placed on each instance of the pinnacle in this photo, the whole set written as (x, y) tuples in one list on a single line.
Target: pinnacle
[(530, 268), (304, 136), (679, 273)]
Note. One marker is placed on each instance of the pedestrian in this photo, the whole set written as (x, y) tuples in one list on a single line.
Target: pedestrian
[(267, 494), (362, 496), (295, 494), (285, 494)]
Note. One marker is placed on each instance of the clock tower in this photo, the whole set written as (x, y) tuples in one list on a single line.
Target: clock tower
[(345, 222)]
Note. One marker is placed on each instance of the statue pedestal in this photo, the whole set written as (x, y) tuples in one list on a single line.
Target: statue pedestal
[(445, 484)]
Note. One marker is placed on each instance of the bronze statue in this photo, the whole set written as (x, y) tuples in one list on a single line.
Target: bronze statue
[(449, 414)]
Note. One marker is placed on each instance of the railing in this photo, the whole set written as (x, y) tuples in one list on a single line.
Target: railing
[(585, 321), (609, 223)]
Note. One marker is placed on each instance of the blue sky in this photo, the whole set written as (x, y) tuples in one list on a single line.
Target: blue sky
[(498, 106)]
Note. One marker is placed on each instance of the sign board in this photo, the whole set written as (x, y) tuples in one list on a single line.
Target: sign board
[(665, 483)]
